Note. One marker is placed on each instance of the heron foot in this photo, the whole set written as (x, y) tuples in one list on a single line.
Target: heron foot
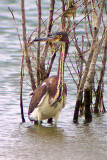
[(50, 120), (36, 122)]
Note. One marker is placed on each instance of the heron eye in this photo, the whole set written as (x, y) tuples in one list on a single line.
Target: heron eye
[(60, 36)]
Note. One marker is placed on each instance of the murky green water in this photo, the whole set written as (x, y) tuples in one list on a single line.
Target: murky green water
[(67, 141)]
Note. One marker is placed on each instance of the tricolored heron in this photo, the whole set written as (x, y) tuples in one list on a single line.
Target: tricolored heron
[(50, 97)]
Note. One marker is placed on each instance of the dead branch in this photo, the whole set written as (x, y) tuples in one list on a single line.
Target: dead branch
[(99, 91), (27, 59), (86, 13), (45, 49), (22, 71), (38, 44)]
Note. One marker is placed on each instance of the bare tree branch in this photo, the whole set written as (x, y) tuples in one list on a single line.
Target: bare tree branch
[(22, 70), (28, 62), (38, 44)]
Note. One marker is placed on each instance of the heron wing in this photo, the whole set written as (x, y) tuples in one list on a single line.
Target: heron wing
[(52, 90), (37, 96)]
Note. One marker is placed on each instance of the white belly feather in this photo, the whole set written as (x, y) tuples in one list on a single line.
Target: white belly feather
[(46, 111)]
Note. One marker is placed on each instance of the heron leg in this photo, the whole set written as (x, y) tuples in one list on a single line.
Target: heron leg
[(36, 122), (39, 118), (50, 120), (56, 118)]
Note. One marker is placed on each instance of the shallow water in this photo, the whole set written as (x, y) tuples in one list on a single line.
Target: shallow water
[(25, 141)]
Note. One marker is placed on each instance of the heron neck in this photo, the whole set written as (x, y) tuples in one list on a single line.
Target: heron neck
[(60, 74), (61, 66)]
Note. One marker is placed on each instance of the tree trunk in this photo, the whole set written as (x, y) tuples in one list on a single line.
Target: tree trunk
[(83, 79), (101, 77), (89, 72), (38, 45), (78, 104), (87, 101), (27, 59)]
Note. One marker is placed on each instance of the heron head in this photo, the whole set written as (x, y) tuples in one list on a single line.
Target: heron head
[(58, 37)]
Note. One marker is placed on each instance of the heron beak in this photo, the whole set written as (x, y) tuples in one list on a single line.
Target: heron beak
[(49, 39)]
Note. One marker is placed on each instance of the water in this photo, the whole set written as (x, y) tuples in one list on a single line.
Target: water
[(19, 141)]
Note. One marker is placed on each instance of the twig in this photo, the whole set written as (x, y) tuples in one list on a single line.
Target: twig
[(22, 70), (71, 73), (52, 60), (72, 65), (77, 48), (85, 16), (21, 88), (49, 26), (63, 21), (86, 11)]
